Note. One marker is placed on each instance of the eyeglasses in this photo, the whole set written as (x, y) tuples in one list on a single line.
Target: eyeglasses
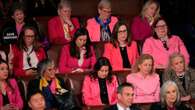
[(106, 11), (161, 26), (122, 31)]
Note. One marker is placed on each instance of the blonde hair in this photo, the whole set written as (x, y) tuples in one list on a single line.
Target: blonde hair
[(147, 4), (104, 4), (140, 60)]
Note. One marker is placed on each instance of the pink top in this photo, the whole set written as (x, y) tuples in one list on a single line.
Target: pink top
[(67, 63), (94, 28), (155, 48), (56, 30), (140, 29), (147, 90), (114, 55), (91, 91), (13, 96)]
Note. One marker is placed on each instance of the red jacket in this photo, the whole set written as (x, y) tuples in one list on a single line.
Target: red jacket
[(91, 91), (18, 60), (114, 55), (56, 31)]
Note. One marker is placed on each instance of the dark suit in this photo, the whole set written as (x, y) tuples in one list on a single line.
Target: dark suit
[(114, 107), (160, 107)]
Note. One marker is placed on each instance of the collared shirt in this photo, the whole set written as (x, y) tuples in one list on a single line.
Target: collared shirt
[(121, 108)]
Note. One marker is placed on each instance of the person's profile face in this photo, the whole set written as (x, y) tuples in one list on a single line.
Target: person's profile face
[(171, 95), (3, 71), (103, 72), (37, 102), (126, 97), (18, 16), (178, 65)]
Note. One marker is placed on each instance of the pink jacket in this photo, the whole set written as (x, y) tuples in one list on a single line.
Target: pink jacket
[(94, 28), (56, 31), (146, 90), (13, 96), (67, 63), (140, 29), (18, 60), (113, 54), (91, 91), (155, 48)]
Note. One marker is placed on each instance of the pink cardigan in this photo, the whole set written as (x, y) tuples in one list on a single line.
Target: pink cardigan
[(114, 55), (67, 63), (94, 28), (56, 31), (140, 29), (155, 48), (91, 91), (147, 90), (18, 60), (13, 96)]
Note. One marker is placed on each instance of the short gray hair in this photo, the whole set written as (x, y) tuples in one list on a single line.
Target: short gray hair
[(164, 91), (104, 3), (43, 65), (64, 3)]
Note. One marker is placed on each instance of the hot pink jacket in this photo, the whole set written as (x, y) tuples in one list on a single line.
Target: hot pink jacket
[(67, 63), (91, 91), (146, 90), (18, 60), (56, 31), (94, 28), (140, 29), (114, 55), (155, 48), (13, 96)]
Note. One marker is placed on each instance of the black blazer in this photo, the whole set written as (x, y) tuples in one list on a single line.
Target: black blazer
[(114, 107)]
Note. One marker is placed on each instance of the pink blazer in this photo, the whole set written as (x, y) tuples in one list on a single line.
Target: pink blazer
[(114, 55), (91, 91), (94, 28), (146, 90), (56, 31), (140, 29), (155, 48), (13, 96), (67, 63), (18, 60)]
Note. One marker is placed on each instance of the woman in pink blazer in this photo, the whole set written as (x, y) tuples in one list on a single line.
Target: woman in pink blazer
[(27, 53), (79, 55), (61, 28), (100, 87), (146, 83), (10, 97), (121, 51), (161, 45), (101, 26)]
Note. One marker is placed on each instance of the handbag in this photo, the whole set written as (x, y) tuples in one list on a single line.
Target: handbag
[(65, 101)]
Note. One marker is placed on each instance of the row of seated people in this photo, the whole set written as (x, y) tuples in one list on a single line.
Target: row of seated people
[(99, 87)]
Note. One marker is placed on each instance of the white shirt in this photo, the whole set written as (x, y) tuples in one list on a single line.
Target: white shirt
[(121, 108)]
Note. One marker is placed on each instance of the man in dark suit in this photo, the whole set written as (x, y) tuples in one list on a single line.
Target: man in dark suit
[(125, 98)]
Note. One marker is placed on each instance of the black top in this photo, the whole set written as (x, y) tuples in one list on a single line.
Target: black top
[(103, 91), (158, 106), (5, 99), (114, 107), (182, 79), (126, 63)]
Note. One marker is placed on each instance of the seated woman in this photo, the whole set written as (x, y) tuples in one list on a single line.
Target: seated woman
[(62, 27), (170, 98), (10, 97), (101, 26), (146, 83), (36, 100), (27, 52), (79, 55), (141, 27), (183, 76), (100, 87), (48, 84), (122, 51), (161, 45)]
